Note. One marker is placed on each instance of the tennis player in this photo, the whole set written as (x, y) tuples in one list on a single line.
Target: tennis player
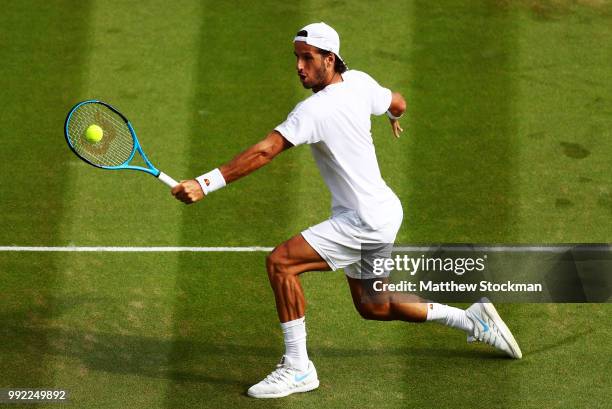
[(335, 122)]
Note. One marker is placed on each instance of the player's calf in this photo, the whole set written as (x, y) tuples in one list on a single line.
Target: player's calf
[(385, 306), (376, 312)]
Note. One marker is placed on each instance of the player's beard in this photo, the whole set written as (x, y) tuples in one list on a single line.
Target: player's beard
[(319, 79)]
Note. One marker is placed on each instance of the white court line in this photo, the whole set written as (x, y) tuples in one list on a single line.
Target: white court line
[(160, 249), (134, 249)]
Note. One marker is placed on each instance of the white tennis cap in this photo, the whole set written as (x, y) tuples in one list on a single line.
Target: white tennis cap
[(320, 35)]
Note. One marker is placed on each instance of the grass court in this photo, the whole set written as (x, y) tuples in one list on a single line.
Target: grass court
[(507, 140)]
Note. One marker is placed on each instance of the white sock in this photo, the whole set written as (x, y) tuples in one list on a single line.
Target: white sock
[(449, 316), (295, 343)]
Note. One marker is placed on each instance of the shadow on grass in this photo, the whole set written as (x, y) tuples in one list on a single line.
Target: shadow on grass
[(561, 343), (148, 356)]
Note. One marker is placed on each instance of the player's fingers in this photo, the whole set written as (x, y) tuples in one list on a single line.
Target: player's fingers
[(178, 188), (188, 195), (191, 198), (184, 197)]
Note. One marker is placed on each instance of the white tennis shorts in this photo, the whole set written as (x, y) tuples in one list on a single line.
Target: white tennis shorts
[(339, 240)]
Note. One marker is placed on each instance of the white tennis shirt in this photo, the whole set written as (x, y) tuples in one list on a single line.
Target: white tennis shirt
[(336, 123)]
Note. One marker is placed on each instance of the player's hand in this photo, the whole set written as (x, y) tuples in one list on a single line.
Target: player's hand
[(188, 191), (396, 127)]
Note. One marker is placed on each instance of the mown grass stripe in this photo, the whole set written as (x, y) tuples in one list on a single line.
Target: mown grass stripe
[(44, 46), (244, 87), (464, 157)]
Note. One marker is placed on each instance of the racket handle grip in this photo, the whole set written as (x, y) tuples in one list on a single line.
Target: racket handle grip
[(167, 179)]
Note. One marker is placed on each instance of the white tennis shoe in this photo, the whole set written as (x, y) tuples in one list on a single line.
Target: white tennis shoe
[(491, 329), (285, 380)]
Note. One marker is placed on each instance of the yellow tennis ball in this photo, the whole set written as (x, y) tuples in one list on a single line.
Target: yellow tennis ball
[(94, 134)]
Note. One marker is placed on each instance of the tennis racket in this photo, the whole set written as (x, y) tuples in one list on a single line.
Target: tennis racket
[(118, 144)]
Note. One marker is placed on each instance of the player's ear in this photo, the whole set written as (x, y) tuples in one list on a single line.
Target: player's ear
[(330, 60)]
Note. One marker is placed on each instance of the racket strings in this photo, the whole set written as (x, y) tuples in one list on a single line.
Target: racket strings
[(117, 144)]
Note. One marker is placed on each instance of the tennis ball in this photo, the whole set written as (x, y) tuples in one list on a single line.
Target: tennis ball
[(94, 134)]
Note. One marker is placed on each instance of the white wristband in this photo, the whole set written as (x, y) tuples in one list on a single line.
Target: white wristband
[(211, 181), (390, 115)]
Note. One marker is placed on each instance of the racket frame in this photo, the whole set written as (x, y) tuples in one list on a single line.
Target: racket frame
[(150, 169)]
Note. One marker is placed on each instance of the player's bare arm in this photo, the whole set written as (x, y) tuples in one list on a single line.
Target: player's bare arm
[(396, 110), (258, 155), (255, 157)]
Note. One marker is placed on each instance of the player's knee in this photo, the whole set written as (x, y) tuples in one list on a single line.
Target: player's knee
[(276, 265), (377, 312)]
